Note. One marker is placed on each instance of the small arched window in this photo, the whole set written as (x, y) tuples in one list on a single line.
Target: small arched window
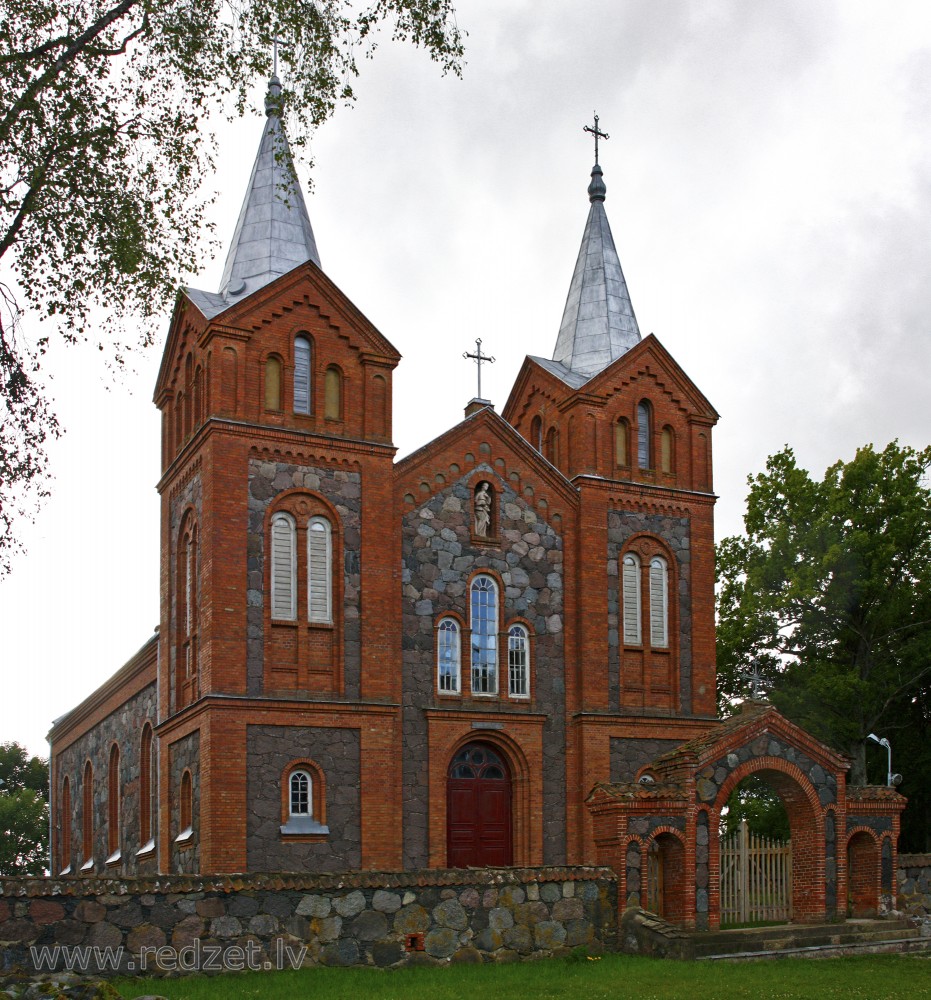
[(186, 807), (484, 623), (198, 396), (302, 368), (113, 805), (87, 817), (536, 433), (272, 384), (659, 603), (518, 662), (631, 587), (552, 446), (319, 575), (622, 442), (64, 843), (448, 656), (188, 394), (644, 435), (146, 785), (284, 566), (667, 450), (333, 394), (301, 794)]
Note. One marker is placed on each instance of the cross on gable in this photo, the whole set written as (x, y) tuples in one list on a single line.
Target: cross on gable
[(478, 358), (597, 133)]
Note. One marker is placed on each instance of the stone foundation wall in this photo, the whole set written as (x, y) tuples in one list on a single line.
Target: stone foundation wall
[(189, 923), (914, 886)]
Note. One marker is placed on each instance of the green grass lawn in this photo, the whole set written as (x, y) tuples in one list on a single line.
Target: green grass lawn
[(869, 978)]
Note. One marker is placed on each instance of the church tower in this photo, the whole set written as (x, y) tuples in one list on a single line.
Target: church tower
[(278, 563)]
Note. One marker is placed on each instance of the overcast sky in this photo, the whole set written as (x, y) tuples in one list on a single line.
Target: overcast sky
[(769, 191)]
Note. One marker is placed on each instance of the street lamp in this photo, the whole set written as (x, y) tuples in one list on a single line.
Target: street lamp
[(891, 779)]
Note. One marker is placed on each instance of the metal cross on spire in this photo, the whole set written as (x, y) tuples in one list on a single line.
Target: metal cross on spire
[(478, 358), (756, 680), (597, 133)]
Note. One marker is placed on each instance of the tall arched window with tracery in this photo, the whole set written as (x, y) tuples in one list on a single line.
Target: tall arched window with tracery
[(319, 570), (302, 375), (484, 625), (448, 656), (518, 662), (659, 603), (631, 600)]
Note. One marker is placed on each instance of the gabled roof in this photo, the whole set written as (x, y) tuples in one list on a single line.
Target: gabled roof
[(598, 323), (273, 234)]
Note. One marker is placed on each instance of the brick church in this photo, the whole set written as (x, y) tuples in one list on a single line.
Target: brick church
[(498, 650)]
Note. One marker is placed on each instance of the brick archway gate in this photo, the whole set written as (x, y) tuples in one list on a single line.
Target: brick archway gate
[(680, 797)]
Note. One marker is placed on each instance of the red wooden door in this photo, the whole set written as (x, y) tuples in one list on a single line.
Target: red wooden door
[(478, 809)]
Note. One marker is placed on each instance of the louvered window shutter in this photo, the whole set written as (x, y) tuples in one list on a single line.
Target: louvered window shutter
[(318, 573), (301, 375), (284, 584), (631, 601), (659, 616)]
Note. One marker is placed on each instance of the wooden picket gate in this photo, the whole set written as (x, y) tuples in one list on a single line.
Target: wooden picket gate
[(756, 878)]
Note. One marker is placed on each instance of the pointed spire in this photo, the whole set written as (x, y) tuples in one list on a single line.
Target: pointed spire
[(598, 322), (273, 234)]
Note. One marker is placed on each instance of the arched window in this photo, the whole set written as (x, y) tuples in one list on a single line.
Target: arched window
[(186, 807), (319, 576), (659, 603), (518, 658), (198, 396), (667, 450), (300, 796), (333, 394), (484, 607), (536, 433), (188, 394), (113, 805), (631, 587), (644, 435), (146, 784), (272, 384), (190, 607), (64, 816), (302, 375), (448, 656), (87, 817), (622, 442), (284, 566), (552, 446), (303, 800)]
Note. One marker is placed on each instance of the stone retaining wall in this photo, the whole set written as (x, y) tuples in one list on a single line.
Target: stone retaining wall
[(914, 889), (190, 923)]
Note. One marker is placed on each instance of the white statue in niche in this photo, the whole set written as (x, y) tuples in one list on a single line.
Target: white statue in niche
[(482, 506)]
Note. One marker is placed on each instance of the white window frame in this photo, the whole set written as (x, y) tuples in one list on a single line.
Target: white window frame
[(283, 578), (630, 600), (484, 667), (659, 603), (320, 570), (448, 651), (518, 661), (298, 773)]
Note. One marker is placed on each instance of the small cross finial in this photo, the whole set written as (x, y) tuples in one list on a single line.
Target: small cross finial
[(756, 680), (597, 133), (478, 358)]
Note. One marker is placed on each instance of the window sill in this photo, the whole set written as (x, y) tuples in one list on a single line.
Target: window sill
[(303, 826), (115, 858), (64, 872), (88, 865), (147, 850), (185, 836)]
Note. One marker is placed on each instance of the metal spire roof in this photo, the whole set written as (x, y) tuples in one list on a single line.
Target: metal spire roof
[(598, 323), (273, 234)]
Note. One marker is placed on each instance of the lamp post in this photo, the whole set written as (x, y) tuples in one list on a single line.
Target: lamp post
[(891, 779)]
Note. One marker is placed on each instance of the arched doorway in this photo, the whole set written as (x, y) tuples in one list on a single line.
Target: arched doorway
[(863, 874), (666, 878), (478, 809)]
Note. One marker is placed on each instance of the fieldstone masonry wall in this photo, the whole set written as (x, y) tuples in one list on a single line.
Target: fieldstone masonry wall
[(914, 885), (629, 756), (375, 919), (184, 755)]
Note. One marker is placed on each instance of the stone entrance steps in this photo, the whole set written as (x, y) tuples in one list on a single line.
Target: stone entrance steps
[(854, 937)]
